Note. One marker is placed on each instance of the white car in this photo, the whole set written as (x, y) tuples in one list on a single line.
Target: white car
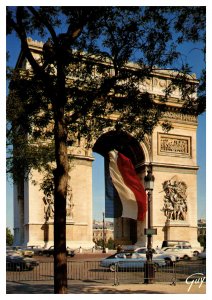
[(157, 254), (195, 250), (181, 245), (182, 253)]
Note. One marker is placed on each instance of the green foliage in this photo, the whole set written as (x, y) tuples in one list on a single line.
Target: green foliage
[(9, 237), (147, 36), (202, 240), (110, 244)]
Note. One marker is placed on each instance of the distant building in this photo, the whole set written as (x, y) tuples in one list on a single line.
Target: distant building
[(98, 231), (201, 227), (201, 232)]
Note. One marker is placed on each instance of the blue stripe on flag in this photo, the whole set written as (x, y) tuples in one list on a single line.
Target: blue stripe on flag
[(113, 205)]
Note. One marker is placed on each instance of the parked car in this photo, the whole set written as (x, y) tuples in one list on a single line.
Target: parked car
[(185, 254), (20, 263), (195, 250), (27, 252), (127, 260), (202, 255), (50, 251), (37, 249), (70, 252), (181, 245), (23, 250), (173, 243), (11, 252), (157, 254)]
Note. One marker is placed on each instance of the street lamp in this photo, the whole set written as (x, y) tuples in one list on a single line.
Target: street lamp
[(149, 272), (103, 234)]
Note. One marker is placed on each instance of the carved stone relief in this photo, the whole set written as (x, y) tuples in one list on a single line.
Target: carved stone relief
[(70, 204), (148, 142), (49, 206), (169, 144), (175, 199)]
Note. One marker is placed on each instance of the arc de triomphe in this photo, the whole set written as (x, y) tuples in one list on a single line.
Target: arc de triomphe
[(173, 159)]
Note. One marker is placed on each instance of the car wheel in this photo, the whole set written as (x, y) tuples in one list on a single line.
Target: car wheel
[(17, 267), (168, 261), (186, 257), (40, 253), (112, 268), (196, 253)]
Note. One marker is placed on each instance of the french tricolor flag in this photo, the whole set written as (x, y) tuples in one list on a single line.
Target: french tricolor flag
[(129, 196)]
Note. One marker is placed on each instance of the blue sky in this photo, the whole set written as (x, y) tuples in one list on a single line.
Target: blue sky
[(192, 56)]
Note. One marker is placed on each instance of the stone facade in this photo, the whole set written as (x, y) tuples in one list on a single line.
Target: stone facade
[(173, 159), (38, 230)]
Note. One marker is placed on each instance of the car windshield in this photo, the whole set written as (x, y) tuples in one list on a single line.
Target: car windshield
[(141, 250)]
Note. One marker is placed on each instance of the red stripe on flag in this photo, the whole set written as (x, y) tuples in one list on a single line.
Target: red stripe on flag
[(132, 180)]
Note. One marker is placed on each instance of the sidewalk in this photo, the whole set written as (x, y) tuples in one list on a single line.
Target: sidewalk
[(90, 288)]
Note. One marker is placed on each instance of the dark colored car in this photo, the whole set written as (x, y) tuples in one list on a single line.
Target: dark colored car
[(20, 263), (70, 252), (50, 251)]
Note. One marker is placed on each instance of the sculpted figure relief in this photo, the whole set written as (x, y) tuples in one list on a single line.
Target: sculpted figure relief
[(48, 207), (175, 200), (48, 201), (70, 204)]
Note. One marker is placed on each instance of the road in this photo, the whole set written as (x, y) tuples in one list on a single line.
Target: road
[(85, 267)]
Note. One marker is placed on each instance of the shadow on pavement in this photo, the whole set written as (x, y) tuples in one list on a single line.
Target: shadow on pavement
[(25, 288)]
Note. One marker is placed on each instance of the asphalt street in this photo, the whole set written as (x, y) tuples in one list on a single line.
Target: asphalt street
[(87, 278)]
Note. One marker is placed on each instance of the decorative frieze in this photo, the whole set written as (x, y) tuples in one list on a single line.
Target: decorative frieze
[(176, 116), (174, 145), (148, 142)]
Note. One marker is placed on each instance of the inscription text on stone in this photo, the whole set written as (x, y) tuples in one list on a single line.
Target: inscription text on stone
[(174, 145)]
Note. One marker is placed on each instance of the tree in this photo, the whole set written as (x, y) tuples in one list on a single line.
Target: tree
[(9, 237), (202, 240), (110, 243), (75, 84)]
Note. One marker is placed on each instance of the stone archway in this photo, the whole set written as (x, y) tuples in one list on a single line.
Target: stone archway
[(126, 231), (172, 155)]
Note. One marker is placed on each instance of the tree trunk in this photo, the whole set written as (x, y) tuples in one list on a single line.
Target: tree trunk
[(60, 181)]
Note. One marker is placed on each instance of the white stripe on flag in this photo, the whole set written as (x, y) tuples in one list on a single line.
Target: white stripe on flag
[(129, 203)]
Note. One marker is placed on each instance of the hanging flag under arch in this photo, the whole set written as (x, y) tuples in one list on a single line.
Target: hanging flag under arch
[(125, 194)]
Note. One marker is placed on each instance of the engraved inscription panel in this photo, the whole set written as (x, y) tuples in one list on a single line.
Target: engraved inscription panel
[(174, 145)]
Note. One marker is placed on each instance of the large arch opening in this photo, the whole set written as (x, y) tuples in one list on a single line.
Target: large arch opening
[(126, 231), (122, 142)]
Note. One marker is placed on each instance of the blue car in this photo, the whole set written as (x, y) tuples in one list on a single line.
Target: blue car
[(125, 260)]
